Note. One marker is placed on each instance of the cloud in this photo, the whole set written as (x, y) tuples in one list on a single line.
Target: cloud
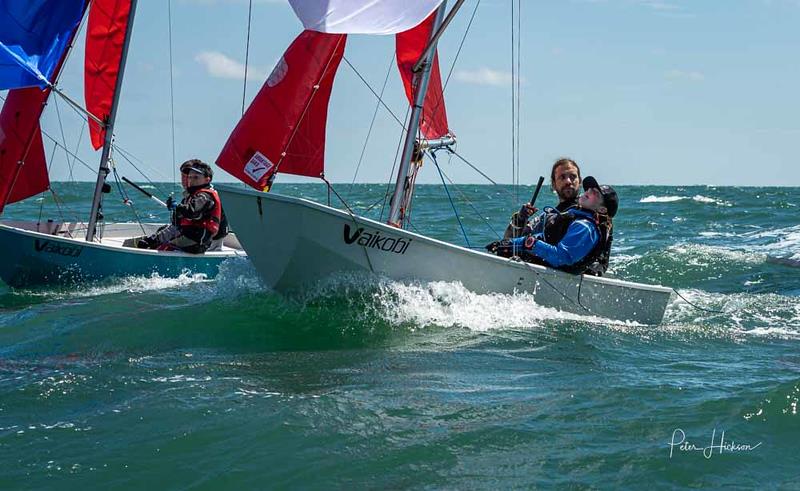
[(219, 65), (484, 76), (685, 75)]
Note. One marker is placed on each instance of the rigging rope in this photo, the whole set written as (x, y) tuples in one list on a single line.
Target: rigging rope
[(63, 137), (394, 164), (697, 306), (449, 197), (247, 53), (125, 198), (513, 105), (171, 91), (477, 212), (374, 93), (372, 123)]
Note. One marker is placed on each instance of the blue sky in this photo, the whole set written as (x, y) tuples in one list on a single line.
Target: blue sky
[(637, 91)]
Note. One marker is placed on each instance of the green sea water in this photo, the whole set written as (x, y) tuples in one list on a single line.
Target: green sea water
[(196, 384)]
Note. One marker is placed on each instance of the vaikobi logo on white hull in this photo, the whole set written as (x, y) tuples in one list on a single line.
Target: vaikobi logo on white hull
[(375, 240)]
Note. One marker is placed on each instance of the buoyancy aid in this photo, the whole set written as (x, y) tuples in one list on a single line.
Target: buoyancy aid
[(596, 261), (210, 222)]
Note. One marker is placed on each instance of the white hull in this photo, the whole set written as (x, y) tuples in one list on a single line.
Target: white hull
[(294, 242), (51, 252)]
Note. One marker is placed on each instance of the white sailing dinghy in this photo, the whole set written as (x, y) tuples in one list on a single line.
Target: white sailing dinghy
[(35, 38), (295, 242)]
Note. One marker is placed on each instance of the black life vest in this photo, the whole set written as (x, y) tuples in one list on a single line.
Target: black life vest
[(596, 261)]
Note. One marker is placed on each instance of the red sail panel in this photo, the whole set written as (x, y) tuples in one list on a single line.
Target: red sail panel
[(105, 37), (410, 45), (23, 168), (284, 127)]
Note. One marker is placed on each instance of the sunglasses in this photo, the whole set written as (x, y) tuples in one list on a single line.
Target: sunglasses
[(187, 172)]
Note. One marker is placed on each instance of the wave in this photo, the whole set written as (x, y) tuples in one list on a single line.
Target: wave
[(699, 198), (438, 303), (662, 199)]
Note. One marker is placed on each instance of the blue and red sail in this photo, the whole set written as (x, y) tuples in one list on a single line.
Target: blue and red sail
[(34, 36)]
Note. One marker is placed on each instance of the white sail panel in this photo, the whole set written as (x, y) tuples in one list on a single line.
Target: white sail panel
[(362, 17)]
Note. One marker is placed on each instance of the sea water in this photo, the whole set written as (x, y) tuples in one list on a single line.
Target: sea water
[(370, 383)]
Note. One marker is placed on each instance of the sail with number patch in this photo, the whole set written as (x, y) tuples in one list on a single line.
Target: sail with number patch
[(284, 126), (105, 38)]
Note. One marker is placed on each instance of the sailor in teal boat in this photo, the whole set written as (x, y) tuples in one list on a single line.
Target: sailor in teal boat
[(577, 240), (198, 221), (565, 180)]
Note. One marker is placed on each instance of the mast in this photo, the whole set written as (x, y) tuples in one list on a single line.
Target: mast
[(109, 127), (404, 185)]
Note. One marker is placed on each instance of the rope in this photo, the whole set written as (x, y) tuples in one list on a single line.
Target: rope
[(480, 172), (70, 153), (125, 198), (247, 53), (171, 91), (331, 188), (712, 311), (461, 45), (123, 153), (394, 164), (477, 212), (519, 85), (63, 137), (449, 197), (49, 167), (513, 105), (372, 123), (380, 100)]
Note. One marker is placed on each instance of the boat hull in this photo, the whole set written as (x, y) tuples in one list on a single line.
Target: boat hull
[(31, 258), (294, 242)]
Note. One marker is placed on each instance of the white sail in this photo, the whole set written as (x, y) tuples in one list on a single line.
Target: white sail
[(362, 17)]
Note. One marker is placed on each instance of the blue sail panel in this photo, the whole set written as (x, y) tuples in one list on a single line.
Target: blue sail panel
[(33, 37)]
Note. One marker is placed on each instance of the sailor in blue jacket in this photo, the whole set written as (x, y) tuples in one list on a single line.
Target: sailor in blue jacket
[(577, 240)]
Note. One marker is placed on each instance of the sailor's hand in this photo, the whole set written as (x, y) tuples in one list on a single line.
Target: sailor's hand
[(520, 218), (170, 203), (527, 210), (181, 210)]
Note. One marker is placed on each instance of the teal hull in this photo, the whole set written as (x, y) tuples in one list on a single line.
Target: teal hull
[(32, 259)]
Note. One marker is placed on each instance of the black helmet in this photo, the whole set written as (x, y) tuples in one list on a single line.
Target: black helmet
[(198, 166), (610, 199)]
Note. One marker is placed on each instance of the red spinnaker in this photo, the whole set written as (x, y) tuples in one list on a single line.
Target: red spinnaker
[(105, 37), (23, 168), (284, 127), (409, 45)]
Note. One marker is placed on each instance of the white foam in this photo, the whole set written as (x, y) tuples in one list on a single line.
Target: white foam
[(440, 303), (662, 199), (705, 199), (450, 304), (704, 255), (739, 315), (129, 284)]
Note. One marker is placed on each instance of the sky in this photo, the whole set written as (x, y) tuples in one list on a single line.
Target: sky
[(637, 91)]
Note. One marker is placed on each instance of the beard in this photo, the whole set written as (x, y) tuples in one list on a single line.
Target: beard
[(567, 193)]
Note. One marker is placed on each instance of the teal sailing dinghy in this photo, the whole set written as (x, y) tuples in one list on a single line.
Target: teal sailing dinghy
[(35, 39)]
